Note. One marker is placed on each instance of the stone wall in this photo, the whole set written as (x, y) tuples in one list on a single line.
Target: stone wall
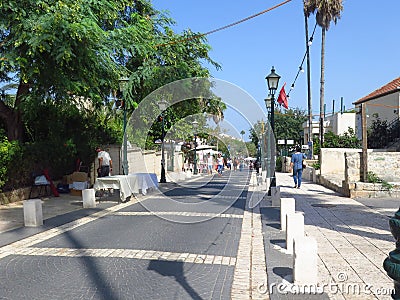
[(341, 171), (386, 165), (333, 160)]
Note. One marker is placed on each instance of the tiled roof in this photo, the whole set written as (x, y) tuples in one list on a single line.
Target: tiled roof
[(389, 88)]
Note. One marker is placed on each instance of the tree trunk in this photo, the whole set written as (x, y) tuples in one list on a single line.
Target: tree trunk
[(322, 90), (12, 116)]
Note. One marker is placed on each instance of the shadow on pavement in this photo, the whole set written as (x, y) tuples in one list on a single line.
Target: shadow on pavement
[(175, 270)]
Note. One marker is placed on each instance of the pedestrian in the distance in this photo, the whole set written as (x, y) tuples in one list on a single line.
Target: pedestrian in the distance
[(297, 165), (105, 162), (220, 161), (210, 164)]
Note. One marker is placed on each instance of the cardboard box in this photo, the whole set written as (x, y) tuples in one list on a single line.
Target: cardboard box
[(67, 179), (76, 192), (79, 176)]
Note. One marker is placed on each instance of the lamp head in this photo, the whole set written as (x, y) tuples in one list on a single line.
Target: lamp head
[(273, 81)]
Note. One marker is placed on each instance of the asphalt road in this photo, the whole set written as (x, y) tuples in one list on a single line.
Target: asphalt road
[(180, 243)]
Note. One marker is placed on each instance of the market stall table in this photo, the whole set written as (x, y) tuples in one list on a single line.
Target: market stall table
[(127, 185)]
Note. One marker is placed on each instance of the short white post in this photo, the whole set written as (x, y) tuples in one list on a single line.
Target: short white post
[(305, 261), (287, 206), (294, 229), (275, 195), (33, 214), (89, 199)]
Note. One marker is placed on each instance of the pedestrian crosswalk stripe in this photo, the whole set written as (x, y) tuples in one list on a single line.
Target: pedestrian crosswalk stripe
[(129, 253), (176, 213)]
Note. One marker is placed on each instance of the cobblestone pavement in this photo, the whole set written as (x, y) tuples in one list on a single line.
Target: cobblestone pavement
[(353, 240), (192, 242)]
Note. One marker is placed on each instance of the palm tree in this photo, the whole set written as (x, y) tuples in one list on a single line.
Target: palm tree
[(242, 133), (326, 11)]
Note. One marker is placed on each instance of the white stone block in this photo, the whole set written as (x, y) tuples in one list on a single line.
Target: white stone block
[(89, 199), (288, 205), (275, 195), (33, 214), (264, 175), (305, 261), (294, 229)]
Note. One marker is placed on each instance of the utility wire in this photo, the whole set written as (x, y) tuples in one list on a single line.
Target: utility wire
[(302, 62), (224, 27)]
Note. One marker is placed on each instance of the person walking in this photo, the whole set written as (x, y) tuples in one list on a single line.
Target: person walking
[(210, 164), (297, 166), (220, 161), (105, 162)]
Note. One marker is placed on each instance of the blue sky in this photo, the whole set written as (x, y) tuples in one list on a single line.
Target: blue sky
[(361, 49)]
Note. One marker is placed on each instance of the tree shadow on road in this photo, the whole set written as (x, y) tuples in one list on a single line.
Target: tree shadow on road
[(175, 270)]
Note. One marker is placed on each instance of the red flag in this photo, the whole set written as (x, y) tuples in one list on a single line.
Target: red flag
[(282, 99)]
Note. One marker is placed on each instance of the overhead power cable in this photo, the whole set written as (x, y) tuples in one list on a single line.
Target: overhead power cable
[(224, 27), (301, 69)]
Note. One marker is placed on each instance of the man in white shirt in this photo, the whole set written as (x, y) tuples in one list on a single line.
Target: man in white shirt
[(105, 162), (210, 163)]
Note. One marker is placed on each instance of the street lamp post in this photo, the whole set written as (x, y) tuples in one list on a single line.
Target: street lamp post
[(268, 135), (195, 125), (162, 104), (125, 165), (272, 81)]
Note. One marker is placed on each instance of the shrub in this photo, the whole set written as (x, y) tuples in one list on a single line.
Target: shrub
[(10, 155), (279, 164)]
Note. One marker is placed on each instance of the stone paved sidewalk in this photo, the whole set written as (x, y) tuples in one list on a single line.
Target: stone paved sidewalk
[(353, 241)]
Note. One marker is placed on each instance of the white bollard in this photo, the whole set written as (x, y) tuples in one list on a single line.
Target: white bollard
[(264, 175), (305, 261), (294, 229), (287, 206), (33, 214), (89, 199), (276, 195)]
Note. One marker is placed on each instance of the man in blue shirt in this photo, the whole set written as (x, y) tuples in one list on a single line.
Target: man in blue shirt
[(297, 166)]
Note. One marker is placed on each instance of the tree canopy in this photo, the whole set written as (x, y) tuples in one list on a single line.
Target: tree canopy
[(65, 58), (68, 50)]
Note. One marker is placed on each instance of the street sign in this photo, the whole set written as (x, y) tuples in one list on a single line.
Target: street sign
[(281, 142), (290, 142)]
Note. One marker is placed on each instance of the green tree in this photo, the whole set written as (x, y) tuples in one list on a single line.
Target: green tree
[(289, 125), (65, 56), (68, 50), (326, 11), (378, 133), (242, 132), (346, 140)]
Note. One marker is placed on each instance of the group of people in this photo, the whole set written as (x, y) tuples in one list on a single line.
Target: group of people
[(210, 164), (296, 163)]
